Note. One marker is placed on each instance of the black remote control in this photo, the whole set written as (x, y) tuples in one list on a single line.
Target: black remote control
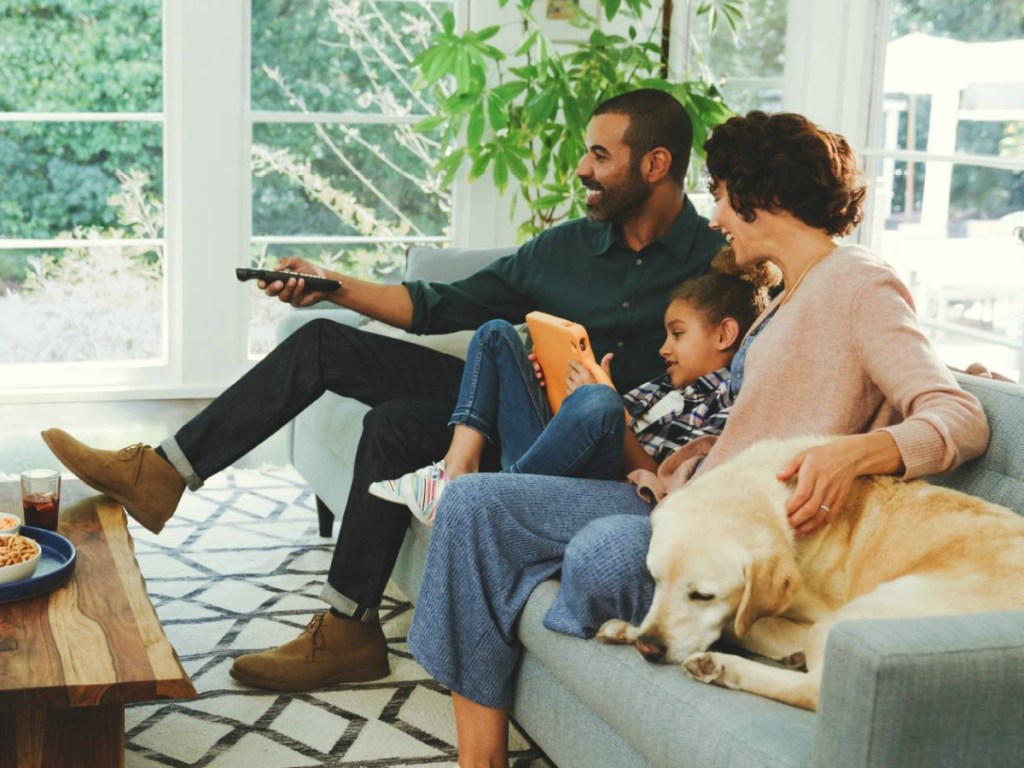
[(270, 275)]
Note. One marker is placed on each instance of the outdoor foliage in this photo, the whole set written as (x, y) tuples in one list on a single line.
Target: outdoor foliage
[(522, 114), (84, 56), (64, 313), (364, 180)]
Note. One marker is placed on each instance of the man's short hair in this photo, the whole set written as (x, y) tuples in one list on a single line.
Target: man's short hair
[(656, 119)]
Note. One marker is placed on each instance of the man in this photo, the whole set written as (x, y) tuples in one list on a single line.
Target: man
[(612, 272)]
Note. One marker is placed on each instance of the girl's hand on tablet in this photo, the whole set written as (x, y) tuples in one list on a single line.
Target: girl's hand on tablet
[(578, 376), (537, 370)]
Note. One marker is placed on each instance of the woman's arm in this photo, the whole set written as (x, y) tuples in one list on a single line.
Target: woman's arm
[(942, 425)]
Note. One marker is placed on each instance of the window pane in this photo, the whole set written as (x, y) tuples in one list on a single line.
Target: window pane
[(961, 256), (365, 180), (949, 227), (948, 82), (80, 56), (61, 177), (751, 60), (340, 55), (81, 305)]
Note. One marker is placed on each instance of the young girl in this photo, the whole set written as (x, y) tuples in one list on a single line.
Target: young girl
[(705, 320)]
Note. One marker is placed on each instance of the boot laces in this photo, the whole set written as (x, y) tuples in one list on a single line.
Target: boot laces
[(316, 635), (133, 452)]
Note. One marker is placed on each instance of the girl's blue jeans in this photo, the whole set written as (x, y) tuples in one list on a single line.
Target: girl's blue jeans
[(501, 398)]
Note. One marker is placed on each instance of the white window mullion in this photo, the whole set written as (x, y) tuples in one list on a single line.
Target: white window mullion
[(208, 299)]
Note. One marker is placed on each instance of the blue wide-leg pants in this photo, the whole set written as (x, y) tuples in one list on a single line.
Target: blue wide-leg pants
[(497, 537)]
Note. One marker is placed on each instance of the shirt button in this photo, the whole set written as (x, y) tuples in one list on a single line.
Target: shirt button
[(639, 262), (625, 305), (620, 344)]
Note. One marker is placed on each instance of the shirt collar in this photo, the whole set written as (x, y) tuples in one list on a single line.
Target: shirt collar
[(680, 236), (709, 382), (678, 240)]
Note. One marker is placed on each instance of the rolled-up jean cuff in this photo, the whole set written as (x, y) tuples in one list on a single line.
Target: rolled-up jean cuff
[(181, 463), (469, 419), (346, 606)]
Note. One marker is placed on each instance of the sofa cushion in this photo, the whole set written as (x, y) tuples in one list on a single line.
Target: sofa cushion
[(668, 717)]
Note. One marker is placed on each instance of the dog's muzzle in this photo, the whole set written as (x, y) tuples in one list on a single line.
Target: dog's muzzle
[(651, 647)]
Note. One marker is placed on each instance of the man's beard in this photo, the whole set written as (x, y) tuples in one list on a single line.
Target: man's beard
[(621, 202)]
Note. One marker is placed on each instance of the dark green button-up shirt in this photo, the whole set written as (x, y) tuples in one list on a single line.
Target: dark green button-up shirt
[(582, 272)]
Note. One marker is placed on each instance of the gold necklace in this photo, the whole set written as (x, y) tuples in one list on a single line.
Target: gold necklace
[(814, 263)]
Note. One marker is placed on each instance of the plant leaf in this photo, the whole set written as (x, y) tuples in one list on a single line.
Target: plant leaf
[(475, 126)]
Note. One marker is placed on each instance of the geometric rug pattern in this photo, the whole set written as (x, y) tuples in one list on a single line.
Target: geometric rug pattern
[(238, 569)]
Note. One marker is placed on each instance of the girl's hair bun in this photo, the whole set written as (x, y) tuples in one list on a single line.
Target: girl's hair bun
[(762, 275)]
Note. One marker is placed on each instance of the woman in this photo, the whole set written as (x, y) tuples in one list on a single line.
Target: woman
[(838, 352)]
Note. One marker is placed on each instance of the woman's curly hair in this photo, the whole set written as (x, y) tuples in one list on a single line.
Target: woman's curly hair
[(784, 162)]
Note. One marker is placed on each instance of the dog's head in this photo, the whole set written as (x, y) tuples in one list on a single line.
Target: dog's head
[(711, 568)]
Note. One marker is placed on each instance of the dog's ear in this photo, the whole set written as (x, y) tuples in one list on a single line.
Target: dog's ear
[(771, 584)]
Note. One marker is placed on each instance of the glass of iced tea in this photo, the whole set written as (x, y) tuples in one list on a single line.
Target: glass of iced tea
[(40, 497)]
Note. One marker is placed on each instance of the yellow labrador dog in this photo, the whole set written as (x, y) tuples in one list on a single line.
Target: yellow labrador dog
[(724, 561)]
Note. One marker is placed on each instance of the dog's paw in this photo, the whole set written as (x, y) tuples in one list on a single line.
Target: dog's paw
[(796, 660), (618, 632), (706, 668)]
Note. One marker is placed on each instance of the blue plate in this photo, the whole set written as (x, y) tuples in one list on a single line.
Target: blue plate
[(56, 564)]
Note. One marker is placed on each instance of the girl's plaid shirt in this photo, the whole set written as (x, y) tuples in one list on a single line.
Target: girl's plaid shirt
[(703, 410)]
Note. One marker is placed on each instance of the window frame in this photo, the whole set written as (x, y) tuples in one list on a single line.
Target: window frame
[(207, 195)]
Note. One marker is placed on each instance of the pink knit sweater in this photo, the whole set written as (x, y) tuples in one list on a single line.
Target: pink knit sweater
[(844, 356)]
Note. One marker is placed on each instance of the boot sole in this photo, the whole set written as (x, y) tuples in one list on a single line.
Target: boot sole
[(355, 676), (96, 485)]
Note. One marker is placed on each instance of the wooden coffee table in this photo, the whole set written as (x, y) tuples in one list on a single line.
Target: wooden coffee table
[(71, 659)]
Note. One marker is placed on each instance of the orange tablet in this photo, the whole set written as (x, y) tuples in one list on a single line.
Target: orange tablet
[(556, 342)]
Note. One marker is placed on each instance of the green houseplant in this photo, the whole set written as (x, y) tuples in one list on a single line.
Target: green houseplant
[(522, 114)]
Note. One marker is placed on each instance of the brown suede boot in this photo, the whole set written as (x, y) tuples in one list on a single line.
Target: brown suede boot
[(148, 487), (329, 651)]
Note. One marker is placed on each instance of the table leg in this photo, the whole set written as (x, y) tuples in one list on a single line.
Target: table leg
[(76, 737)]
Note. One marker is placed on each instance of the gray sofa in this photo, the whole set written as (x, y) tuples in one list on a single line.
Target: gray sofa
[(899, 694)]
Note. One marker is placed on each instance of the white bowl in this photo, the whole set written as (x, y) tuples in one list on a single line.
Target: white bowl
[(23, 570), (9, 524)]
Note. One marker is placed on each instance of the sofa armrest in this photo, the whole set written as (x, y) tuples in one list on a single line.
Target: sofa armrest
[(295, 319), (940, 691)]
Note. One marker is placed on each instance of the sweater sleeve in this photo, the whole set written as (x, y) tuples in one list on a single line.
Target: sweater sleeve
[(942, 425)]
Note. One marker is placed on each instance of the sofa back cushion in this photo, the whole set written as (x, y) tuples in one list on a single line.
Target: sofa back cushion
[(446, 264), (998, 475)]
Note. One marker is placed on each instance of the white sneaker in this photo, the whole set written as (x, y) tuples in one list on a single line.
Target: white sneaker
[(420, 490)]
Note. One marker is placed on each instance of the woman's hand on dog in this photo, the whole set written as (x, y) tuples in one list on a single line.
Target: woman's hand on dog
[(825, 474), (823, 479)]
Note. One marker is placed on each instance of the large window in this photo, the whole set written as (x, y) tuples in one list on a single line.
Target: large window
[(947, 169), (749, 60), (82, 250), (339, 175)]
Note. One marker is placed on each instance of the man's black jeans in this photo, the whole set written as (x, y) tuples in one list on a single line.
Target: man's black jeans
[(412, 391)]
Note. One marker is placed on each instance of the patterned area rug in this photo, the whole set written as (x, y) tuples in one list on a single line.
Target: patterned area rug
[(238, 569)]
